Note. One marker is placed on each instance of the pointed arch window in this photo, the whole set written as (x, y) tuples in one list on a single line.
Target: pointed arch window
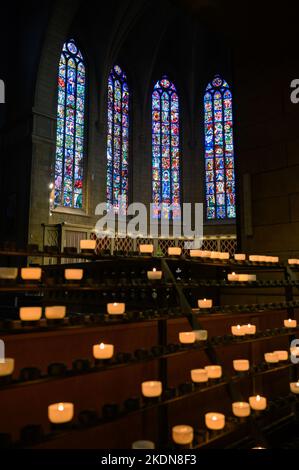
[(219, 151), (118, 139), (165, 150), (71, 107)]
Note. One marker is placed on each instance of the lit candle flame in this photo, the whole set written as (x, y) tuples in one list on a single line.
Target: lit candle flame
[(214, 418), (60, 407), (102, 346), (204, 300), (154, 270), (115, 304), (258, 398)]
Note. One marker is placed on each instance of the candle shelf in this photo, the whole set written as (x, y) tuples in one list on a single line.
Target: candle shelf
[(156, 312)]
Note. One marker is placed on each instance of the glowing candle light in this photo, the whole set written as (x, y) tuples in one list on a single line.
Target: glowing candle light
[(249, 329), (55, 313), (182, 434), (116, 308), (239, 257), (30, 313), (154, 275), (258, 403), (238, 330), (60, 413), (187, 337), (146, 249), (88, 244), (241, 365), (31, 274), (174, 251), (73, 274), (214, 372), (7, 366), (205, 303), (103, 351), (282, 355), (241, 409), (271, 358), (199, 375), (290, 323), (215, 421), (151, 389)]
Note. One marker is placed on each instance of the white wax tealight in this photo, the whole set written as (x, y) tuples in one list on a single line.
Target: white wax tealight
[(154, 275), (31, 274), (215, 421), (143, 445), (55, 312), (30, 313), (8, 273), (241, 365), (241, 409), (294, 387), (254, 258), (247, 277), (282, 355), (7, 366), (290, 323), (60, 413), (197, 254), (223, 256), (103, 351), (116, 308), (182, 434), (238, 330), (249, 329), (239, 257), (258, 403), (146, 249), (199, 375), (187, 337), (174, 251), (271, 358), (205, 303), (88, 244), (214, 372), (73, 274), (151, 389), (233, 277), (201, 335)]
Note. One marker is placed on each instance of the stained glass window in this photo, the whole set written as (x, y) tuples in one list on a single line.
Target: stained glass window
[(117, 139), (70, 128), (219, 151), (165, 150)]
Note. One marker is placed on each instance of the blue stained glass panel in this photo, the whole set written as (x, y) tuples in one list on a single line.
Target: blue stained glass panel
[(219, 151), (68, 185)]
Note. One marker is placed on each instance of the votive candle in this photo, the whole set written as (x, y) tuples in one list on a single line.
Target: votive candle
[(60, 413), (258, 403), (103, 351), (215, 421), (199, 375)]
